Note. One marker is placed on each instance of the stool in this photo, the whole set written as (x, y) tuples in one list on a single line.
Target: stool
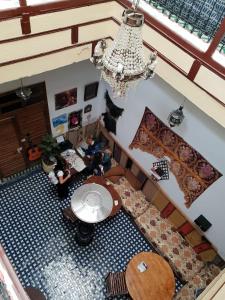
[(34, 293), (85, 234)]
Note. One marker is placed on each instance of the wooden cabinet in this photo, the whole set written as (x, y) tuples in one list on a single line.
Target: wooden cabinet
[(17, 119)]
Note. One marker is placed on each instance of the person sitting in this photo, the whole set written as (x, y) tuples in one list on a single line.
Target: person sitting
[(106, 159), (93, 147), (100, 163), (60, 177)]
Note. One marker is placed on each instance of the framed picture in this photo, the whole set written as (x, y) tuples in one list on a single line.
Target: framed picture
[(59, 120), (90, 91), (66, 98), (87, 108), (75, 119)]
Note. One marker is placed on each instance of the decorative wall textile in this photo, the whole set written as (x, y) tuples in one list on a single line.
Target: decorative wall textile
[(192, 171)]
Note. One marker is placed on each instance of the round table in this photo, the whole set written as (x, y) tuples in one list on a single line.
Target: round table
[(91, 203), (156, 282), (115, 196)]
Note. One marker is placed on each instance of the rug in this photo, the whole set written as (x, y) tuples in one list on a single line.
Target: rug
[(193, 172), (41, 245)]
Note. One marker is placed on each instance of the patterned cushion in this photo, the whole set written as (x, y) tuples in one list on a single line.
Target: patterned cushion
[(199, 281), (171, 244), (133, 201)]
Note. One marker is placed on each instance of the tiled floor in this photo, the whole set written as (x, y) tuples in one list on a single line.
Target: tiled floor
[(42, 248)]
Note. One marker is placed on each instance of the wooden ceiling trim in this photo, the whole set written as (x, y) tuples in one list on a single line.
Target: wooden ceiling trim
[(56, 30), (48, 53), (74, 34), (25, 23), (194, 70)]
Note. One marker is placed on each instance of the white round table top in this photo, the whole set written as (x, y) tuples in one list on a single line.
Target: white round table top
[(92, 203)]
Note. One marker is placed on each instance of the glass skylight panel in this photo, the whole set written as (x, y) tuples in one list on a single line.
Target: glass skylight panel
[(6, 4)]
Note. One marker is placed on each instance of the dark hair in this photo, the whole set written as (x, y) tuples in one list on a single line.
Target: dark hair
[(97, 159), (60, 165)]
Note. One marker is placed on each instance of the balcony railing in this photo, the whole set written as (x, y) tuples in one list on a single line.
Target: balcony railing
[(200, 17)]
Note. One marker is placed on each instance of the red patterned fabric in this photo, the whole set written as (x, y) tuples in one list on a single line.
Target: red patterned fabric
[(193, 172)]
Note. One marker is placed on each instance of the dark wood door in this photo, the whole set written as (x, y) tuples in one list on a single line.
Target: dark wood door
[(17, 119), (32, 120), (11, 154)]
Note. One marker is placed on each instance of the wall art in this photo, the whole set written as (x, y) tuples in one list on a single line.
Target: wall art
[(90, 91), (62, 119), (88, 108), (75, 119), (66, 98), (193, 172)]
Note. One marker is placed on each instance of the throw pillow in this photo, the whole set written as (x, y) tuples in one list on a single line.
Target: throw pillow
[(115, 171), (134, 182), (114, 179)]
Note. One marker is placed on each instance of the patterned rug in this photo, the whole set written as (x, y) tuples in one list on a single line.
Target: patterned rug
[(42, 248)]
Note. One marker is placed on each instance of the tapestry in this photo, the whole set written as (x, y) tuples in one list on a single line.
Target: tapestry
[(193, 172)]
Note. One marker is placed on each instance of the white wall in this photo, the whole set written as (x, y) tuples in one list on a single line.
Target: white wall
[(59, 80), (201, 132)]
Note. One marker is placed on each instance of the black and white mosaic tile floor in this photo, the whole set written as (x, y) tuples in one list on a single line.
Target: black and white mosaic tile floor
[(42, 248)]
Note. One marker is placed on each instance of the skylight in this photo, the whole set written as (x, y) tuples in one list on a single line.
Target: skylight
[(5, 4)]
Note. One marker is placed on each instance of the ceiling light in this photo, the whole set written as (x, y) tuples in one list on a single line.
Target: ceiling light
[(123, 63)]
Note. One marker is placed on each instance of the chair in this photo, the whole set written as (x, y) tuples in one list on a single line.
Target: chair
[(116, 284), (69, 215)]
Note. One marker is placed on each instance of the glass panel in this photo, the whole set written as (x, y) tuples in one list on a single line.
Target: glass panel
[(5, 4), (200, 17)]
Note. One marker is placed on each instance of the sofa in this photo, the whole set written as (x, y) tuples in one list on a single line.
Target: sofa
[(167, 241)]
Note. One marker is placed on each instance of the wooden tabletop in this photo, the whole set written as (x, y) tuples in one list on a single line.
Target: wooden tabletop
[(157, 282), (115, 196)]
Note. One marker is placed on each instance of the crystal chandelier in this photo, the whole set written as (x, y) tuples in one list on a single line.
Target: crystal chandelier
[(23, 92), (176, 117), (123, 63)]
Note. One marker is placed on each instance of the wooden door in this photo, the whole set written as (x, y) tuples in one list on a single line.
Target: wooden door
[(11, 154), (32, 120)]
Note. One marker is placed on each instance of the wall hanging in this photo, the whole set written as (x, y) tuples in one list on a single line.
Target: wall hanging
[(90, 91), (111, 115), (66, 98), (193, 172), (75, 119)]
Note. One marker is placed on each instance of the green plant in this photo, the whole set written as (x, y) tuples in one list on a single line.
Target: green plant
[(50, 148)]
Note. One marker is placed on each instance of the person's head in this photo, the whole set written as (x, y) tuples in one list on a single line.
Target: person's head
[(60, 164), (90, 140)]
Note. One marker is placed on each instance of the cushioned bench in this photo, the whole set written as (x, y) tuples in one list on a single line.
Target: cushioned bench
[(199, 281), (159, 231), (170, 243)]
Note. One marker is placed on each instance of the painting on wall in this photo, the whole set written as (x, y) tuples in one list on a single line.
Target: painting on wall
[(75, 119), (65, 99), (88, 108), (193, 172), (90, 91), (62, 119)]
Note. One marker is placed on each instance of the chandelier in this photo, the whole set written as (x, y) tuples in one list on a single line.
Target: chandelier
[(23, 92), (123, 64)]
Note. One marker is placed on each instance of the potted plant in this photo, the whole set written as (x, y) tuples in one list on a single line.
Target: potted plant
[(50, 149)]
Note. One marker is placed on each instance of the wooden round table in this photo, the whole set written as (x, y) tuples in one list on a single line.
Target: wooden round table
[(156, 282)]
